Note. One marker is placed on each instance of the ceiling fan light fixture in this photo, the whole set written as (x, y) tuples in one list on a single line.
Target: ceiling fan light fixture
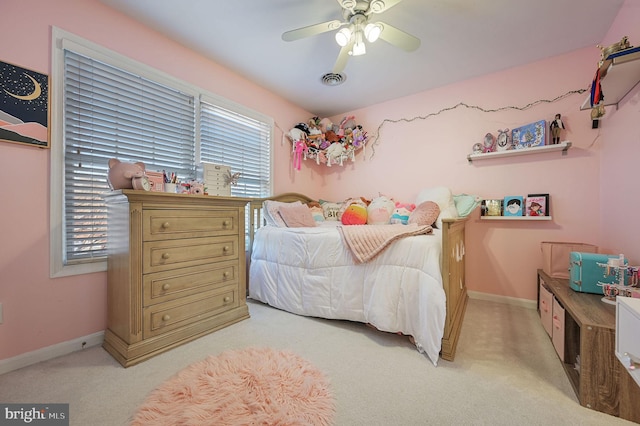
[(372, 32), (358, 47), (343, 36)]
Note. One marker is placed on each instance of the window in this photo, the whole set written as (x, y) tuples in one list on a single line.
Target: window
[(107, 106)]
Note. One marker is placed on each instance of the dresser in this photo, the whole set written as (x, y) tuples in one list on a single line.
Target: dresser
[(176, 270)]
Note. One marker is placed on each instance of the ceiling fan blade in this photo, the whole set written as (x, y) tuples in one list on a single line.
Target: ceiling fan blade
[(311, 30), (399, 38), (379, 6), (343, 58)]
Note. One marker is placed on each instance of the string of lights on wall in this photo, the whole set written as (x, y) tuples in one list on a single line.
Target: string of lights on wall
[(376, 139)]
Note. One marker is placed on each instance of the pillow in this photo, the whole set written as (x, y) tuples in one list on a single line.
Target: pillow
[(443, 198), (270, 212), (465, 203), (296, 216), (331, 210), (425, 214)]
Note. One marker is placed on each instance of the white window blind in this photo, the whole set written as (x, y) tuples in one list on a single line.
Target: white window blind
[(109, 106), (240, 142), (111, 113)]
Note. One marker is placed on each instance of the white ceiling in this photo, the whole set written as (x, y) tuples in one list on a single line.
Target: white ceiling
[(460, 39)]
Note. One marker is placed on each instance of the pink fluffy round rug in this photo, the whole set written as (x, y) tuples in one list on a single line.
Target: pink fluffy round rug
[(254, 386)]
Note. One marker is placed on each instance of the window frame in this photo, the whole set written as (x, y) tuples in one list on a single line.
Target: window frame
[(62, 40)]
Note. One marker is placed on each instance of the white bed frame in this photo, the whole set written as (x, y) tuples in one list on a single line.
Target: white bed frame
[(453, 261)]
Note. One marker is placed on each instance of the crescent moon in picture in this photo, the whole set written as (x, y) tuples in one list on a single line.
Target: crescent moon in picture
[(37, 91)]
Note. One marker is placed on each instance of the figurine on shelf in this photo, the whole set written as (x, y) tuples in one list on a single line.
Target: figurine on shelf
[(556, 128)]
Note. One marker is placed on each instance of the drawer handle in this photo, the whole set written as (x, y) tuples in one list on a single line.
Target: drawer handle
[(165, 255), (166, 317), (630, 361), (166, 287), (226, 299), (226, 223), (225, 249), (225, 274), (556, 322), (165, 225)]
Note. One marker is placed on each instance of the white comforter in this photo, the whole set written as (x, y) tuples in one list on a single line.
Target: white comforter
[(310, 271)]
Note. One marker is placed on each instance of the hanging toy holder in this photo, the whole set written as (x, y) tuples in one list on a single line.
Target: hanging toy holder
[(626, 280)]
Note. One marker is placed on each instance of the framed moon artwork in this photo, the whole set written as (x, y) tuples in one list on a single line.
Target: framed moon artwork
[(24, 106)]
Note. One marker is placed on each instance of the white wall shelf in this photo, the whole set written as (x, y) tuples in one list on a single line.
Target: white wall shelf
[(563, 146), (619, 74), (533, 218)]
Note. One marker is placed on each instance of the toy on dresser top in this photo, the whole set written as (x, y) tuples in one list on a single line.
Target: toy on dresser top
[(124, 175), (619, 279)]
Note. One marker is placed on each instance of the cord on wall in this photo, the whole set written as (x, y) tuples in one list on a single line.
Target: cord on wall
[(376, 140)]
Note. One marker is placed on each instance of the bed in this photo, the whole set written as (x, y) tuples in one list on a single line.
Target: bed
[(416, 286)]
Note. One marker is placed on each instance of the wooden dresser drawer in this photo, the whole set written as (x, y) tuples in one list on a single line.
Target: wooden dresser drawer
[(161, 318), (161, 224), (176, 270), (164, 286), (160, 256)]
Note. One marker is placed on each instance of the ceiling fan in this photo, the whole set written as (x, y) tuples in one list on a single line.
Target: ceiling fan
[(356, 28)]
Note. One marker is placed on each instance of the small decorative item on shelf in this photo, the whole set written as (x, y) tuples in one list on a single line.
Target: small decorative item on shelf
[(537, 205), (556, 127), (530, 135), (513, 205), (325, 142), (492, 207), (489, 143), (503, 141)]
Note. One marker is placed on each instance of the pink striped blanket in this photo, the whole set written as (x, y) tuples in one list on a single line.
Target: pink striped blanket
[(367, 241)]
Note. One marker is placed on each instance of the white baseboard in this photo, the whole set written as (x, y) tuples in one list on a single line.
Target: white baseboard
[(524, 303), (50, 352)]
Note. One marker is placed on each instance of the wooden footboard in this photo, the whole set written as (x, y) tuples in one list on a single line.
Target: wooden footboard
[(453, 261), (453, 281)]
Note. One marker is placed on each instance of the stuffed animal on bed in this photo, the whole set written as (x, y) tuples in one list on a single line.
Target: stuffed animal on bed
[(316, 211), (354, 212), (380, 210), (401, 213)]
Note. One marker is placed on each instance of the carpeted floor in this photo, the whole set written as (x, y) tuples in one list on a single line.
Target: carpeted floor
[(506, 372)]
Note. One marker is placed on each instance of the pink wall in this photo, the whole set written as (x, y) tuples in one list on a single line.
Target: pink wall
[(39, 311), (502, 257), (619, 183), (411, 155)]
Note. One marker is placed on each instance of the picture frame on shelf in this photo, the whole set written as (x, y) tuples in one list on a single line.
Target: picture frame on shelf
[(530, 135), (503, 141), (537, 205), (491, 207), (513, 205)]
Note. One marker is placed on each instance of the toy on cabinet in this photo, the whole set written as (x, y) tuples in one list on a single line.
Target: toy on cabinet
[(124, 175)]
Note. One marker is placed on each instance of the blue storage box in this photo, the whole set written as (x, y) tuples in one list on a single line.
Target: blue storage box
[(587, 270)]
